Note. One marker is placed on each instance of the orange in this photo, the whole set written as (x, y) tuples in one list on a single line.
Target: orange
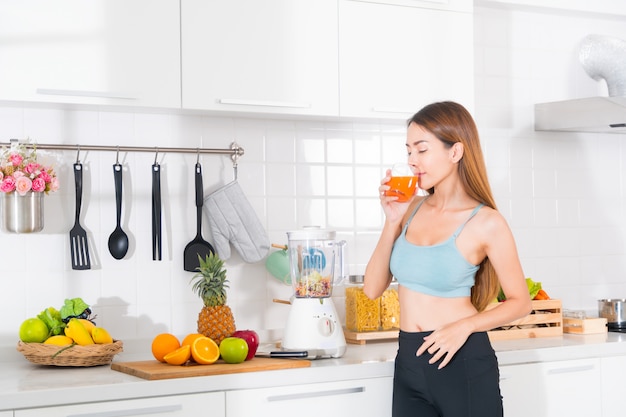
[(163, 344), (188, 340), (205, 351), (178, 357)]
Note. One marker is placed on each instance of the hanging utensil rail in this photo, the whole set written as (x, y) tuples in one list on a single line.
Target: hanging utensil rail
[(235, 150)]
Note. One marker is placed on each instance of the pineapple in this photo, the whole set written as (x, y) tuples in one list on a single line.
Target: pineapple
[(215, 320)]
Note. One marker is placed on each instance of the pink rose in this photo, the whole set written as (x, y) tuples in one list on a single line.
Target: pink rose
[(16, 159), (8, 184), (23, 185), (32, 168), (18, 174), (54, 184), (39, 185), (45, 176)]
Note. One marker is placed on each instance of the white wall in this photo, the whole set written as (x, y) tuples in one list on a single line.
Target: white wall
[(562, 193)]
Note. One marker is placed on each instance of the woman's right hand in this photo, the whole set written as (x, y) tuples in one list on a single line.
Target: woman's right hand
[(393, 209)]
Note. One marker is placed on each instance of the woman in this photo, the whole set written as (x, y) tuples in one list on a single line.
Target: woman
[(451, 251)]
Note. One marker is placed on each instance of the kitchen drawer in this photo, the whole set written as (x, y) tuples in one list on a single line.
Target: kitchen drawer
[(175, 406), (365, 397)]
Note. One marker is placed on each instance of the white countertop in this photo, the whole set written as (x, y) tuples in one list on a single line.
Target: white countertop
[(25, 385)]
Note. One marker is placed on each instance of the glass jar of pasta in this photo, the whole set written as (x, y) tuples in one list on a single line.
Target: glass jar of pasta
[(362, 314), (390, 308)]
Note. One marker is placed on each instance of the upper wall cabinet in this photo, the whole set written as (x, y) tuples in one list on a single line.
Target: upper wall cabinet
[(394, 59), (271, 56), (121, 52)]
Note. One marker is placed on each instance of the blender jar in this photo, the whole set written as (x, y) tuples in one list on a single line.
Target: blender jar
[(312, 262)]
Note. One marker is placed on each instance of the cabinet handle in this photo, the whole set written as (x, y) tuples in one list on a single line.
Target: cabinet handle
[(83, 93), (581, 368), (264, 103), (303, 395), (378, 109), (135, 412)]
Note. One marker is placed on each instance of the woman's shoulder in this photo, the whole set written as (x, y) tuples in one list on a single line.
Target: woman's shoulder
[(491, 220)]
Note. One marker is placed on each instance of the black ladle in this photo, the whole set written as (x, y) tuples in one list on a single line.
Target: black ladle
[(118, 241)]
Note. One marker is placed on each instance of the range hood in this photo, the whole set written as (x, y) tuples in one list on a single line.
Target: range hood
[(592, 114)]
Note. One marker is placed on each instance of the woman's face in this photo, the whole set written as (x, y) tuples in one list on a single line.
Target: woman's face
[(431, 160)]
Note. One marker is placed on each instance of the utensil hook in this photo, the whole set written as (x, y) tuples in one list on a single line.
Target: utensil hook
[(235, 156), (117, 155), (156, 155), (197, 155), (77, 154)]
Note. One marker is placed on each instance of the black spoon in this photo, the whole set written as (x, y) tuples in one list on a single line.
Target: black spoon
[(118, 241)]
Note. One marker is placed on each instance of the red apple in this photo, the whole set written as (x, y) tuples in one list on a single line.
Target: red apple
[(251, 338)]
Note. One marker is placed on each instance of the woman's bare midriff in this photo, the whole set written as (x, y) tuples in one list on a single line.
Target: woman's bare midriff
[(421, 312)]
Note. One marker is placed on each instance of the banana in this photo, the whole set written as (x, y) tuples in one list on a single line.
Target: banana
[(76, 330)]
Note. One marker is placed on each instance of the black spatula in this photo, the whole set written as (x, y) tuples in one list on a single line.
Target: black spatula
[(198, 246), (78, 236)]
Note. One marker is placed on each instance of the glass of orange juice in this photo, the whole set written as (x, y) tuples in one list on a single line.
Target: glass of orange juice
[(403, 182)]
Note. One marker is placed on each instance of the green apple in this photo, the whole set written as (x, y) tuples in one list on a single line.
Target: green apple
[(34, 330), (233, 350)]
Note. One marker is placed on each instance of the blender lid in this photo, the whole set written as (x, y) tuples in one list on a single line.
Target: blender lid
[(311, 232)]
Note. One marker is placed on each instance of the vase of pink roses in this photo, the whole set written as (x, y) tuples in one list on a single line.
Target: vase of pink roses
[(23, 184)]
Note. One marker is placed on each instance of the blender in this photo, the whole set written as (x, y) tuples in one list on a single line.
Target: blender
[(312, 323)]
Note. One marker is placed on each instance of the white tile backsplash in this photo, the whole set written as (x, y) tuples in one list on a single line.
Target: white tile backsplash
[(563, 193)]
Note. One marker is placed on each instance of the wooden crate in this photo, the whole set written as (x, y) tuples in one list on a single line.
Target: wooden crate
[(545, 320), (584, 326)]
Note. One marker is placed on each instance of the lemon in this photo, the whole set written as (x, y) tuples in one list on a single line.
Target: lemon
[(101, 336), (59, 340)]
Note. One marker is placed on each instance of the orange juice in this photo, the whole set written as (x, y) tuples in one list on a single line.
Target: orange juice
[(402, 187)]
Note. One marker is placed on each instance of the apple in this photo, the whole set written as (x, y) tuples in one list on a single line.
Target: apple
[(233, 349), (251, 338)]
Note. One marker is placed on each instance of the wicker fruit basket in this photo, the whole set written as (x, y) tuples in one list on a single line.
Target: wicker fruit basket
[(74, 355)]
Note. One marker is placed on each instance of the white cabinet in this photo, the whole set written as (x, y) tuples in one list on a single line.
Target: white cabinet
[(564, 388), (367, 397), (395, 59), (210, 404), (122, 52), (272, 56), (613, 386), (6, 413)]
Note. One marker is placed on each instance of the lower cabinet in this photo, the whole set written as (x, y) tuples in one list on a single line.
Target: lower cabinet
[(209, 404), (562, 388), (613, 386), (366, 397)]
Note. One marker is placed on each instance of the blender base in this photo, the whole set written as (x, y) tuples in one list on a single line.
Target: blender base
[(313, 326)]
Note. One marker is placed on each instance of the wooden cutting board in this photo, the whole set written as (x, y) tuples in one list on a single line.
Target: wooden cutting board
[(153, 370)]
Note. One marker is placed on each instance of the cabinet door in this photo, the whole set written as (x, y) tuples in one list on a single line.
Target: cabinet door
[(564, 388), (271, 56), (613, 386), (193, 405), (393, 59), (123, 52), (369, 397)]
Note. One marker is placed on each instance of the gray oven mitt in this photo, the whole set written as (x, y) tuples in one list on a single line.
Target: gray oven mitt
[(233, 221)]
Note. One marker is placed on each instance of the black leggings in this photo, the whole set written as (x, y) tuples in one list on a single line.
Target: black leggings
[(468, 386)]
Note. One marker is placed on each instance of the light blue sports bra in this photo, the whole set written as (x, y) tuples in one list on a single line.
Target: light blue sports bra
[(438, 270)]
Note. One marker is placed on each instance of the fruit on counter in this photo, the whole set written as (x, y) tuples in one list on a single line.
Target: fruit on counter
[(34, 330), (162, 344), (189, 339), (89, 325), (533, 290), (252, 339), (233, 350), (100, 336), (76, 330), (541, 295), (215, 320), (179, 356), (205, 351), (59, 340)]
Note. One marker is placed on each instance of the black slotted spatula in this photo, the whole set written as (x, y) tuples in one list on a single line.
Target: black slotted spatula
[(198, 246), (78, 236)]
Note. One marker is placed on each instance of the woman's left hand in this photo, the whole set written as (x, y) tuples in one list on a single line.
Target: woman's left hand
[(444, 343)]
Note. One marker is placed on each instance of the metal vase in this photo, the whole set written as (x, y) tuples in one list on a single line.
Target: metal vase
[(22, 213)]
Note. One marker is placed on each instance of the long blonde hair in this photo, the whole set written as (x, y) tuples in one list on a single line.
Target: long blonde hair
[(450, 122)]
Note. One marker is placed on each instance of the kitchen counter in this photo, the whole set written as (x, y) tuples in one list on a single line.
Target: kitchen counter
[(25, 385)]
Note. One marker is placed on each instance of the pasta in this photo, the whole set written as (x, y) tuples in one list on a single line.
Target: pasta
[(389, 310), (362, 314)]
